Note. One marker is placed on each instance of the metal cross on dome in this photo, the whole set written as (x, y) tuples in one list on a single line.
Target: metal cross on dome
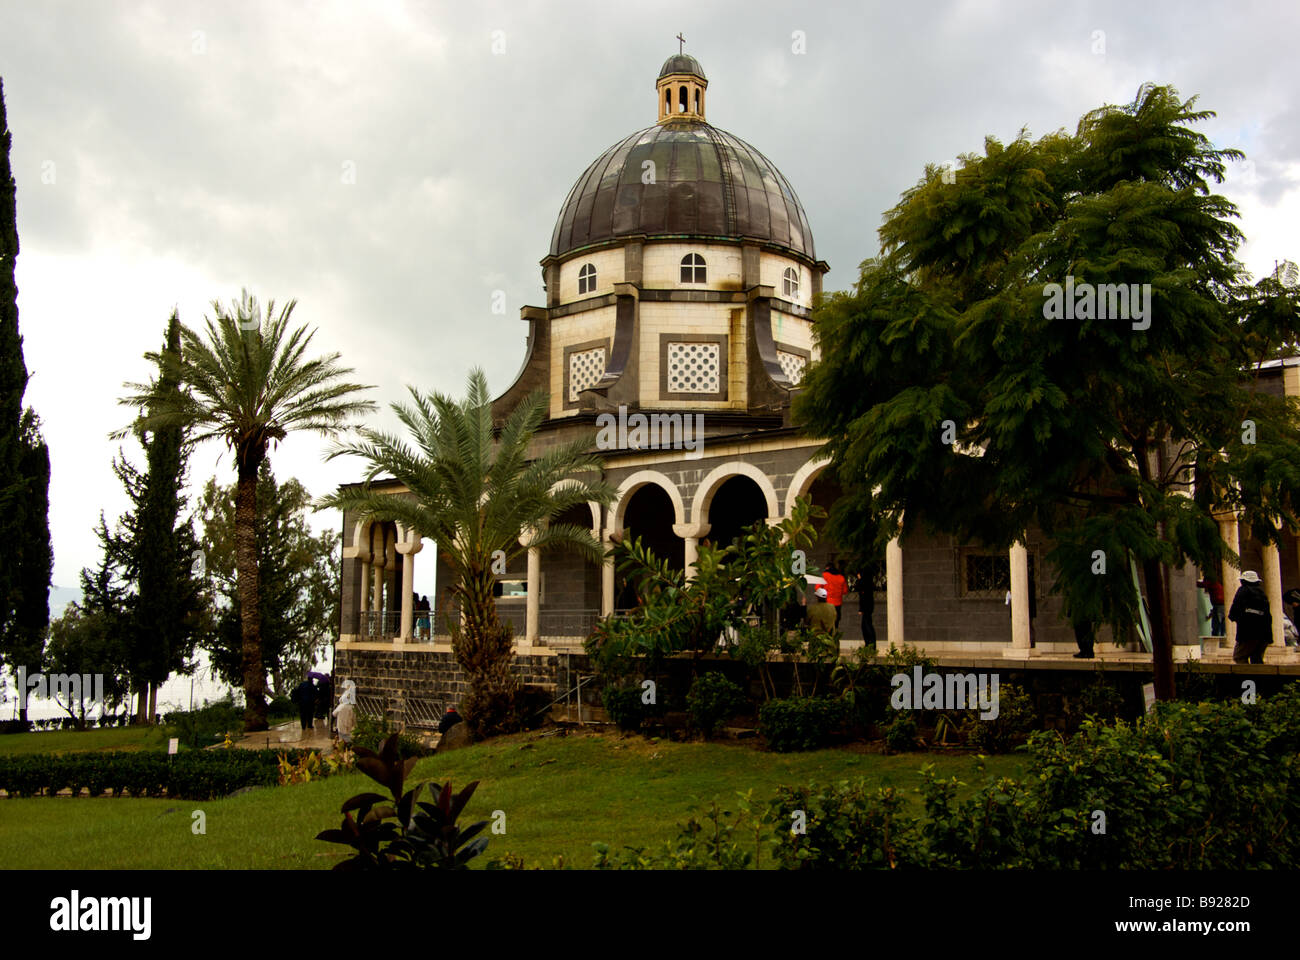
[(680, 42)]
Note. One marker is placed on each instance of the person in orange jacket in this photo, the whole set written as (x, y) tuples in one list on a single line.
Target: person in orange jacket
[(837, 585)]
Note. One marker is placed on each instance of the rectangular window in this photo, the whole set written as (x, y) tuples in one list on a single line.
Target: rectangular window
[(987, 576)]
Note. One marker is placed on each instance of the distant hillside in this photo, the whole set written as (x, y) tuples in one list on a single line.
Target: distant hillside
[(60, 597)]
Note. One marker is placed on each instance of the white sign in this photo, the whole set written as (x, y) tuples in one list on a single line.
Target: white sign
[(173, 744), (1149, 695)]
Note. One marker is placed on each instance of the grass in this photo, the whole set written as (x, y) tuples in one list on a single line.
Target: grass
[(558, 795), (73, 741)]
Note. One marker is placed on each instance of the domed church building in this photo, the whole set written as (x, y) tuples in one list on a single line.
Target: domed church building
[(677, 324)]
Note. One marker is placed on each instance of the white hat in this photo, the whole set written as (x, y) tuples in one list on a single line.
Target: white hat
[(821, 592), (1250, 576)]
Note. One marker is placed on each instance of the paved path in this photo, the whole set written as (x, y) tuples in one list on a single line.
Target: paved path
[(288, 736)]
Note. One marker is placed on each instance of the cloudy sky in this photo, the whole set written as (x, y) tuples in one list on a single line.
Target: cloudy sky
[(392, 165)]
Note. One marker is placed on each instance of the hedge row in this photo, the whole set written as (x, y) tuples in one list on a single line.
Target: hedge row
[(191, 775)]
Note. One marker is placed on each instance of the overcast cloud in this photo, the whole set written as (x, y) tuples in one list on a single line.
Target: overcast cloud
[(171, 153)]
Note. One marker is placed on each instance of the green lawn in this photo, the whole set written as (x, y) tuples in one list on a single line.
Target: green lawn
[(72, 741), (558, 794)]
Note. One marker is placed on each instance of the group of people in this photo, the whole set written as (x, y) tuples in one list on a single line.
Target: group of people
[(824, 608), (313, 698)]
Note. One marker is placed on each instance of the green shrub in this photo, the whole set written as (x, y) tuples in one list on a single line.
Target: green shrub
[(623, 704), (1015, 721), (370, 733), (207, 725), (712, 700), (800, 723), (901, 735), (1099, 699), (1210, 786), (844, 826)]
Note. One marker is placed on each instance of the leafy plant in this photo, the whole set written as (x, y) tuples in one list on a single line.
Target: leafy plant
[(303, 770), (1015, 721), (799, 723), (901, 734), (404, 833), (624, 706), (711, 700)]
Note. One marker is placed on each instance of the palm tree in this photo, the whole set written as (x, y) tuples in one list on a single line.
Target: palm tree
[(247, 383), (474, 492)]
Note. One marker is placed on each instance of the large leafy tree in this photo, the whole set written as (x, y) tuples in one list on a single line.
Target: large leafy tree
[(247, 380), (955, 398), (475, 492), (26, 562), (299, 586), (84, 641)]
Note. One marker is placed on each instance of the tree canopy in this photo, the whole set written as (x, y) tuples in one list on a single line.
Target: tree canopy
[(1061, 337)]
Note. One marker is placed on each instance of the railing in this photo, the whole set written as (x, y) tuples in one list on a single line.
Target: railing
[(400, 711)]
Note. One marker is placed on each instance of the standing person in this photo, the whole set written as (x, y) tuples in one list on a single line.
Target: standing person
[(1085, 633), (346, 710), (324, 700), (1292, 599), (304, 695), (867, 604), (836, 586), (821, 615), (1215, 589), (426, 627), (1253, 618)]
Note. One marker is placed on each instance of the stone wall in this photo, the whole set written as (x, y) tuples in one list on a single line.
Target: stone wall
[(420, 672)]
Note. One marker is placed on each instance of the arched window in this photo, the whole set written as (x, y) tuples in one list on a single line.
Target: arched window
[(697, 99), (791, 282), (587, 278), (693, 269), (683, 101)]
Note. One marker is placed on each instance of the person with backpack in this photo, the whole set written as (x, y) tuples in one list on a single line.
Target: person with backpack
[(1254, 620)]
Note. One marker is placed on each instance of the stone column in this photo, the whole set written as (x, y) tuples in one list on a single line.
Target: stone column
[(533, 613), (607, 576), (1019, 557), (894, 594), (1230, 576), (365, 589), (408, 548), (1272, 577), (691, 533)]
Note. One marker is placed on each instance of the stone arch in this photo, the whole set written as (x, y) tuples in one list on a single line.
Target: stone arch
[(802, 481), (719, 475), (595, 507), (634, 483)]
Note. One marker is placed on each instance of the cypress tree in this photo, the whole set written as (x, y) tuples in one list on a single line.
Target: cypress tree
[(26, 562)]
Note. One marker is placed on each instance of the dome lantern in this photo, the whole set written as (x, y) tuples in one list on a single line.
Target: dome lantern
[(680, 89)]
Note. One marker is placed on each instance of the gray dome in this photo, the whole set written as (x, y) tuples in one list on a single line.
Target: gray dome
[(682, 63), (709, 185)]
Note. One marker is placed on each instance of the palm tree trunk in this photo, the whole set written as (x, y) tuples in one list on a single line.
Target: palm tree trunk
[(248, 587)]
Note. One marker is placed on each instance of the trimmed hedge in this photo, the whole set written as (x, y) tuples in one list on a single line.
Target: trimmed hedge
[(191, 775), (800, 723)]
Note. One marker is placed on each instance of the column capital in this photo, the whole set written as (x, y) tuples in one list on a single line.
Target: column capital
[(1225, 516), (692, 530), (410, 546)]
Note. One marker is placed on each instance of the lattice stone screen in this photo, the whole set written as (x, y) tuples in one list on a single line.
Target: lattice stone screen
[(694, 367), (792, 364), (585, 371)]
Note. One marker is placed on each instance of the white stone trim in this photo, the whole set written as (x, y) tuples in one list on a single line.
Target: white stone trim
[(636, 482), (802, 481)]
